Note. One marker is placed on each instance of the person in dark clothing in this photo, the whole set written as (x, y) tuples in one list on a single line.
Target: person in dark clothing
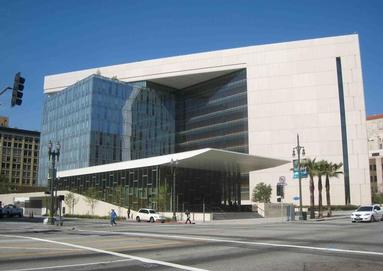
[(187, 213)]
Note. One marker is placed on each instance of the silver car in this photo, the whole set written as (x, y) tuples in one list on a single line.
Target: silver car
[(369, 213)]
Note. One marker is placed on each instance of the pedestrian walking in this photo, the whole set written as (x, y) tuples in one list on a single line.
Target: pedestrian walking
[(113, 217), (187, 213), (128, 216)]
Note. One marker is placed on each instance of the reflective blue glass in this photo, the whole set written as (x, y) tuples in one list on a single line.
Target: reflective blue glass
[(214, 114), (100, 120), (86, 120)]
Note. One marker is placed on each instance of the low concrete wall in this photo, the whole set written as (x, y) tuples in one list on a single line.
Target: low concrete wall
[(272, 209), (101, 208)]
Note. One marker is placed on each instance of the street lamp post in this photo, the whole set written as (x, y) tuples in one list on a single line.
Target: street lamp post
[(173, 164), (54, 154), (300, 150)]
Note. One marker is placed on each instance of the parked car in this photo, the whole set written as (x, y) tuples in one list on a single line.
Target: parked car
[(145, 214), (370, 213), (11, 210)]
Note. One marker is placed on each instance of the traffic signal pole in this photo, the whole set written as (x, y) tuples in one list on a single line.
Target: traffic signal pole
[(4, 90), (17, 90)]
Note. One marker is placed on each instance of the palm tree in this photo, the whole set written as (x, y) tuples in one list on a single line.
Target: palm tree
[(311, 170), (331, 170), (320, 170)]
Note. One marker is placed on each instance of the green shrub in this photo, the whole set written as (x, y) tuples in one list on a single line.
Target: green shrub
[(336, 207), (262, 192), (343, 207), (377, 198)]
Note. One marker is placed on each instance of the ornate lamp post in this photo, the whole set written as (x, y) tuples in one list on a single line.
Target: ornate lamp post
[(300, 151), (54, 154), (173, 164)]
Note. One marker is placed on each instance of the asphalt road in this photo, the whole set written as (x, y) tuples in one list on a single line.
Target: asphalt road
[(227, 245)]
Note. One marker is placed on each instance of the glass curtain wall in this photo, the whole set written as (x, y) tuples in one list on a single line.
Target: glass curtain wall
[(153, 121), (86, 120), (213, 114), (151, 187), (100, 120)]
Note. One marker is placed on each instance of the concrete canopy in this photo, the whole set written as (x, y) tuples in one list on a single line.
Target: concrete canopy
[(206, 159)]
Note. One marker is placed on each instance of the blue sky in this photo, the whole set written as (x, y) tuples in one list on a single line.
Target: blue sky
[(39, 38)]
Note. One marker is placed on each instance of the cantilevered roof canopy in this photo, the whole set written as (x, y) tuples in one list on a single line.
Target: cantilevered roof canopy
[(208, 159)]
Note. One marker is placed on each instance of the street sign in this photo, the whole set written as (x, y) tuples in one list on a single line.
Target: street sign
[(296, 198), (282, 181), (303, 173)]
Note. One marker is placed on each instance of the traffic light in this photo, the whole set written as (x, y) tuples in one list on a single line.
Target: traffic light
[(17, 93), (280, 192)]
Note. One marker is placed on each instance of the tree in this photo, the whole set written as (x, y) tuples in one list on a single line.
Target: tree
[(320, 170), (118, 197), (70, 200), (91, 198), (163, 197), (6, 186), (262, 192), (377, 198), (310, 166), (330, 170)]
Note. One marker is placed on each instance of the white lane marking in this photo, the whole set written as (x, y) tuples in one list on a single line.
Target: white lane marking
[(70, 265), (117, 254), (365, 252)]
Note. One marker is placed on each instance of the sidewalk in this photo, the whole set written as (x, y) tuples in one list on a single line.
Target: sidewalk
[(335, 216), (73, 222)]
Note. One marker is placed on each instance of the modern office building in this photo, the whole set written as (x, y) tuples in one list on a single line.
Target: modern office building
[(250, 101), (19, 153), (375, 147)]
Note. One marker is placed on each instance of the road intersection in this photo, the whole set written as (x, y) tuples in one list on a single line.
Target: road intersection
[(230, 245)]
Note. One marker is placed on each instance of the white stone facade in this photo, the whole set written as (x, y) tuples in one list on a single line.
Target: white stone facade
[(375, 146), (292, 89)]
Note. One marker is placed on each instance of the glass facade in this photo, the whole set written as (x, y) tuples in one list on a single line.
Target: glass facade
[(152, 125), (213, 114), (99, 121), (86, 120), (151, 187)]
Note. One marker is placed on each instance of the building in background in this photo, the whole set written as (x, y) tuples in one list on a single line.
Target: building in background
[(375, 147), (19, 153), (3, 121), (252, 100)]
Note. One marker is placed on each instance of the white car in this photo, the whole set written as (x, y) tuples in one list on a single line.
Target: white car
[(369, 213), (145, 214)]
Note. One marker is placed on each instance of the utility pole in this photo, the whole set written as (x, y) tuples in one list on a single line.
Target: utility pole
[(173, 164), (299, 149)]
